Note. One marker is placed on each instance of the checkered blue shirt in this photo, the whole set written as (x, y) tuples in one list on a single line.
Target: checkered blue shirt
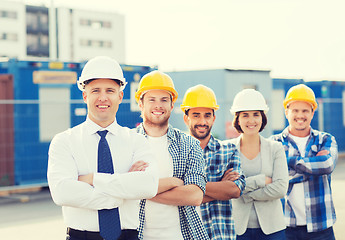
[(188, 165), (315, 173), (217, 214)]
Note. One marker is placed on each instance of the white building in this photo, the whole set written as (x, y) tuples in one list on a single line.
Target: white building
[(59, 33), (12, 29)]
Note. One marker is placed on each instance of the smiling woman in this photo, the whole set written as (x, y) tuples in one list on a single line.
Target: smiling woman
[(264, 164)]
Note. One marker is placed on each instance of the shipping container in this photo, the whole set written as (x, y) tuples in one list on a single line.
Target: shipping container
[(330, 116)]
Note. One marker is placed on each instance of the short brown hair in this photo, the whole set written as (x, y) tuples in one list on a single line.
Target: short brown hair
[(238, 127)]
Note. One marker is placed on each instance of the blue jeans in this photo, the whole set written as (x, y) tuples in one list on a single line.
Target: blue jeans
[(258, 234), (301, 233)]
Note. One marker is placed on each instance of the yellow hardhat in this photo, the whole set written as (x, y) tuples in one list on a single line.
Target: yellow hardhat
[(302, 93), (156, 80), (199, 96)]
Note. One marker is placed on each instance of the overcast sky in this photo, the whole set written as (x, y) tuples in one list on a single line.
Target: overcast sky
[(292, 38)]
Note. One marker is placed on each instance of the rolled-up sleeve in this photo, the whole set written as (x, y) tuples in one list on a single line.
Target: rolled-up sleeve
[(195, 172)]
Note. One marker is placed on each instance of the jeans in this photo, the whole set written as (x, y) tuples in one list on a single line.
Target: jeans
[(258, 234), (301, 233)]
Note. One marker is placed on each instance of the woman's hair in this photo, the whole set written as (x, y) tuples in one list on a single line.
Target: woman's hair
[(238, 127)]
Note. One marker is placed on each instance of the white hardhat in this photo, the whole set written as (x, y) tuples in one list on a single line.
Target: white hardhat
[(249, 100), (101, 67)]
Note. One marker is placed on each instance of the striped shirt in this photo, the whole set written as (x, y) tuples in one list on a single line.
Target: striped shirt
[(315, 174), (217, 214), (188, 165)]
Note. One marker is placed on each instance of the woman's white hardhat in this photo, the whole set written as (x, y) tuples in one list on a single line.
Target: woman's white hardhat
[(249, 100)]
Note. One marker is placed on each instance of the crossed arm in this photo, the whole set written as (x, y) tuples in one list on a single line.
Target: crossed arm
[(172, 191), (264, 188), (137, 166), (223, 190), (301, 168), (97, 190)]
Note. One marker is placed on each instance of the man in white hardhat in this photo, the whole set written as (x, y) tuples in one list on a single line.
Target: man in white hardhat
[(225, 180), (98, 171)]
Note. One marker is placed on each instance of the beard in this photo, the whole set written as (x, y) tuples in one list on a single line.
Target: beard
[(160, 123), (302, 127), (200, 136)]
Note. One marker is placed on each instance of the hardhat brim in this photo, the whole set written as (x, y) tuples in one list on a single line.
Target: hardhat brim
[(144, 90), (233, 111), (81, 83), (312, 103)]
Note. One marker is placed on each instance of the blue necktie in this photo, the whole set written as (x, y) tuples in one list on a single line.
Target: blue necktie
[(109, 219)]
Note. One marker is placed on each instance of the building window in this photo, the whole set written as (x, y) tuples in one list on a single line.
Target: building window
[(8, 14), (37, 45), (32, 43), (96, 24), (37, 20), (107, 44), (44, 41), (106, 24), (95, 43), (32, 21), (9, 36)]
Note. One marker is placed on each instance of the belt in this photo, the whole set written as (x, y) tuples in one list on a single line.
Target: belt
[(87, 235)]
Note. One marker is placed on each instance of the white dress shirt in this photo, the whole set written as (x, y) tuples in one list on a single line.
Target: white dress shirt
[(74, 152)]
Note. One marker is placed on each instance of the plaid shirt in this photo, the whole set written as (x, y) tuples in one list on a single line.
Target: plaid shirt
[(217, 214), (315, 173), (188, 165)]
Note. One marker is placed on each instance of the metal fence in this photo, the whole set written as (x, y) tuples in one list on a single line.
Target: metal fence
[(27, 127)]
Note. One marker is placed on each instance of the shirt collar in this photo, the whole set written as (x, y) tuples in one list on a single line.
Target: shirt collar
[(93, 127), (286, 132), (170, 133), (213, 144)]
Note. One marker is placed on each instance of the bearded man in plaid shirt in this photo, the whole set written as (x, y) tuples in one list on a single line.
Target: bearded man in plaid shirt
[(311, 156), (224, 175)]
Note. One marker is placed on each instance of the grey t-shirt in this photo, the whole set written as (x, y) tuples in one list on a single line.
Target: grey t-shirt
[(252, 168)]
